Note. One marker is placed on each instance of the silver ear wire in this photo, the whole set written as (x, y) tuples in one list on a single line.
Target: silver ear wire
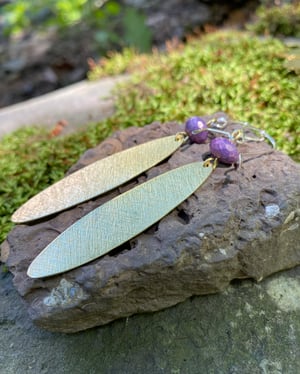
[(216, 131), (215, 125), (218, 122), (262, 134)]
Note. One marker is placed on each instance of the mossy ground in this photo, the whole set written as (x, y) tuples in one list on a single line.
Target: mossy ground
[(238, 73), (282, 20)]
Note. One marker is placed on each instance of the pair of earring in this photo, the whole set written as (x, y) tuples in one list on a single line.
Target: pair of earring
[(132, 212)]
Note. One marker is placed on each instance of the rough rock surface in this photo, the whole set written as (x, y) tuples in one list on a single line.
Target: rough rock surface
[(249, 328), (240, 224)]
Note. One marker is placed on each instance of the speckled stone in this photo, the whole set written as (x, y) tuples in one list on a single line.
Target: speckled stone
[(240, 224)]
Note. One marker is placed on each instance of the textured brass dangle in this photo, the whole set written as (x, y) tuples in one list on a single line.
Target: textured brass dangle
[(124, 217), (119, 220), (98, 178)]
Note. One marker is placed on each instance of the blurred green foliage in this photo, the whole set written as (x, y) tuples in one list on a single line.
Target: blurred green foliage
[(278, 21), (293, 60), (111, 25), (233, 72), (21, 15)]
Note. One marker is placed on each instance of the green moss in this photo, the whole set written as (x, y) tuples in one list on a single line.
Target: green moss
[(280, 21), (117, 63), (237, 73)]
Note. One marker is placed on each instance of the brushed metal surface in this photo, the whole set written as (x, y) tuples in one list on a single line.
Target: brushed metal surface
[(119, 220), (97, 178)]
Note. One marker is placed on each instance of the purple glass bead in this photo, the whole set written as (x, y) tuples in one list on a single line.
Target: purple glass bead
[(224, 150), (196, 123)]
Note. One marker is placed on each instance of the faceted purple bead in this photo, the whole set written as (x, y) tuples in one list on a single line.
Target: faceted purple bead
[(196, 123), (224, 150)]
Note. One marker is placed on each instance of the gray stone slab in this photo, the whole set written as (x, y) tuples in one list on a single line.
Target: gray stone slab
[(251, 328), (78, 105)]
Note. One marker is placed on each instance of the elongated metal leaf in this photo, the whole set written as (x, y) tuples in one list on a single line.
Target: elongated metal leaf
[(97, 178), (119, 220)]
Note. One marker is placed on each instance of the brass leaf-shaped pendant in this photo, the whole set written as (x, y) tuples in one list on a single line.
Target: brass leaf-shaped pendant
[(97, 178), (119, 220)]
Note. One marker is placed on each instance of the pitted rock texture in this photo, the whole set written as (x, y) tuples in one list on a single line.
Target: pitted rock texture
[(242, 223)]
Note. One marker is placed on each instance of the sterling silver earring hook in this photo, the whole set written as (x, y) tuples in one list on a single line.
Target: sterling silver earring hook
[(217, 124), (262, 135)]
